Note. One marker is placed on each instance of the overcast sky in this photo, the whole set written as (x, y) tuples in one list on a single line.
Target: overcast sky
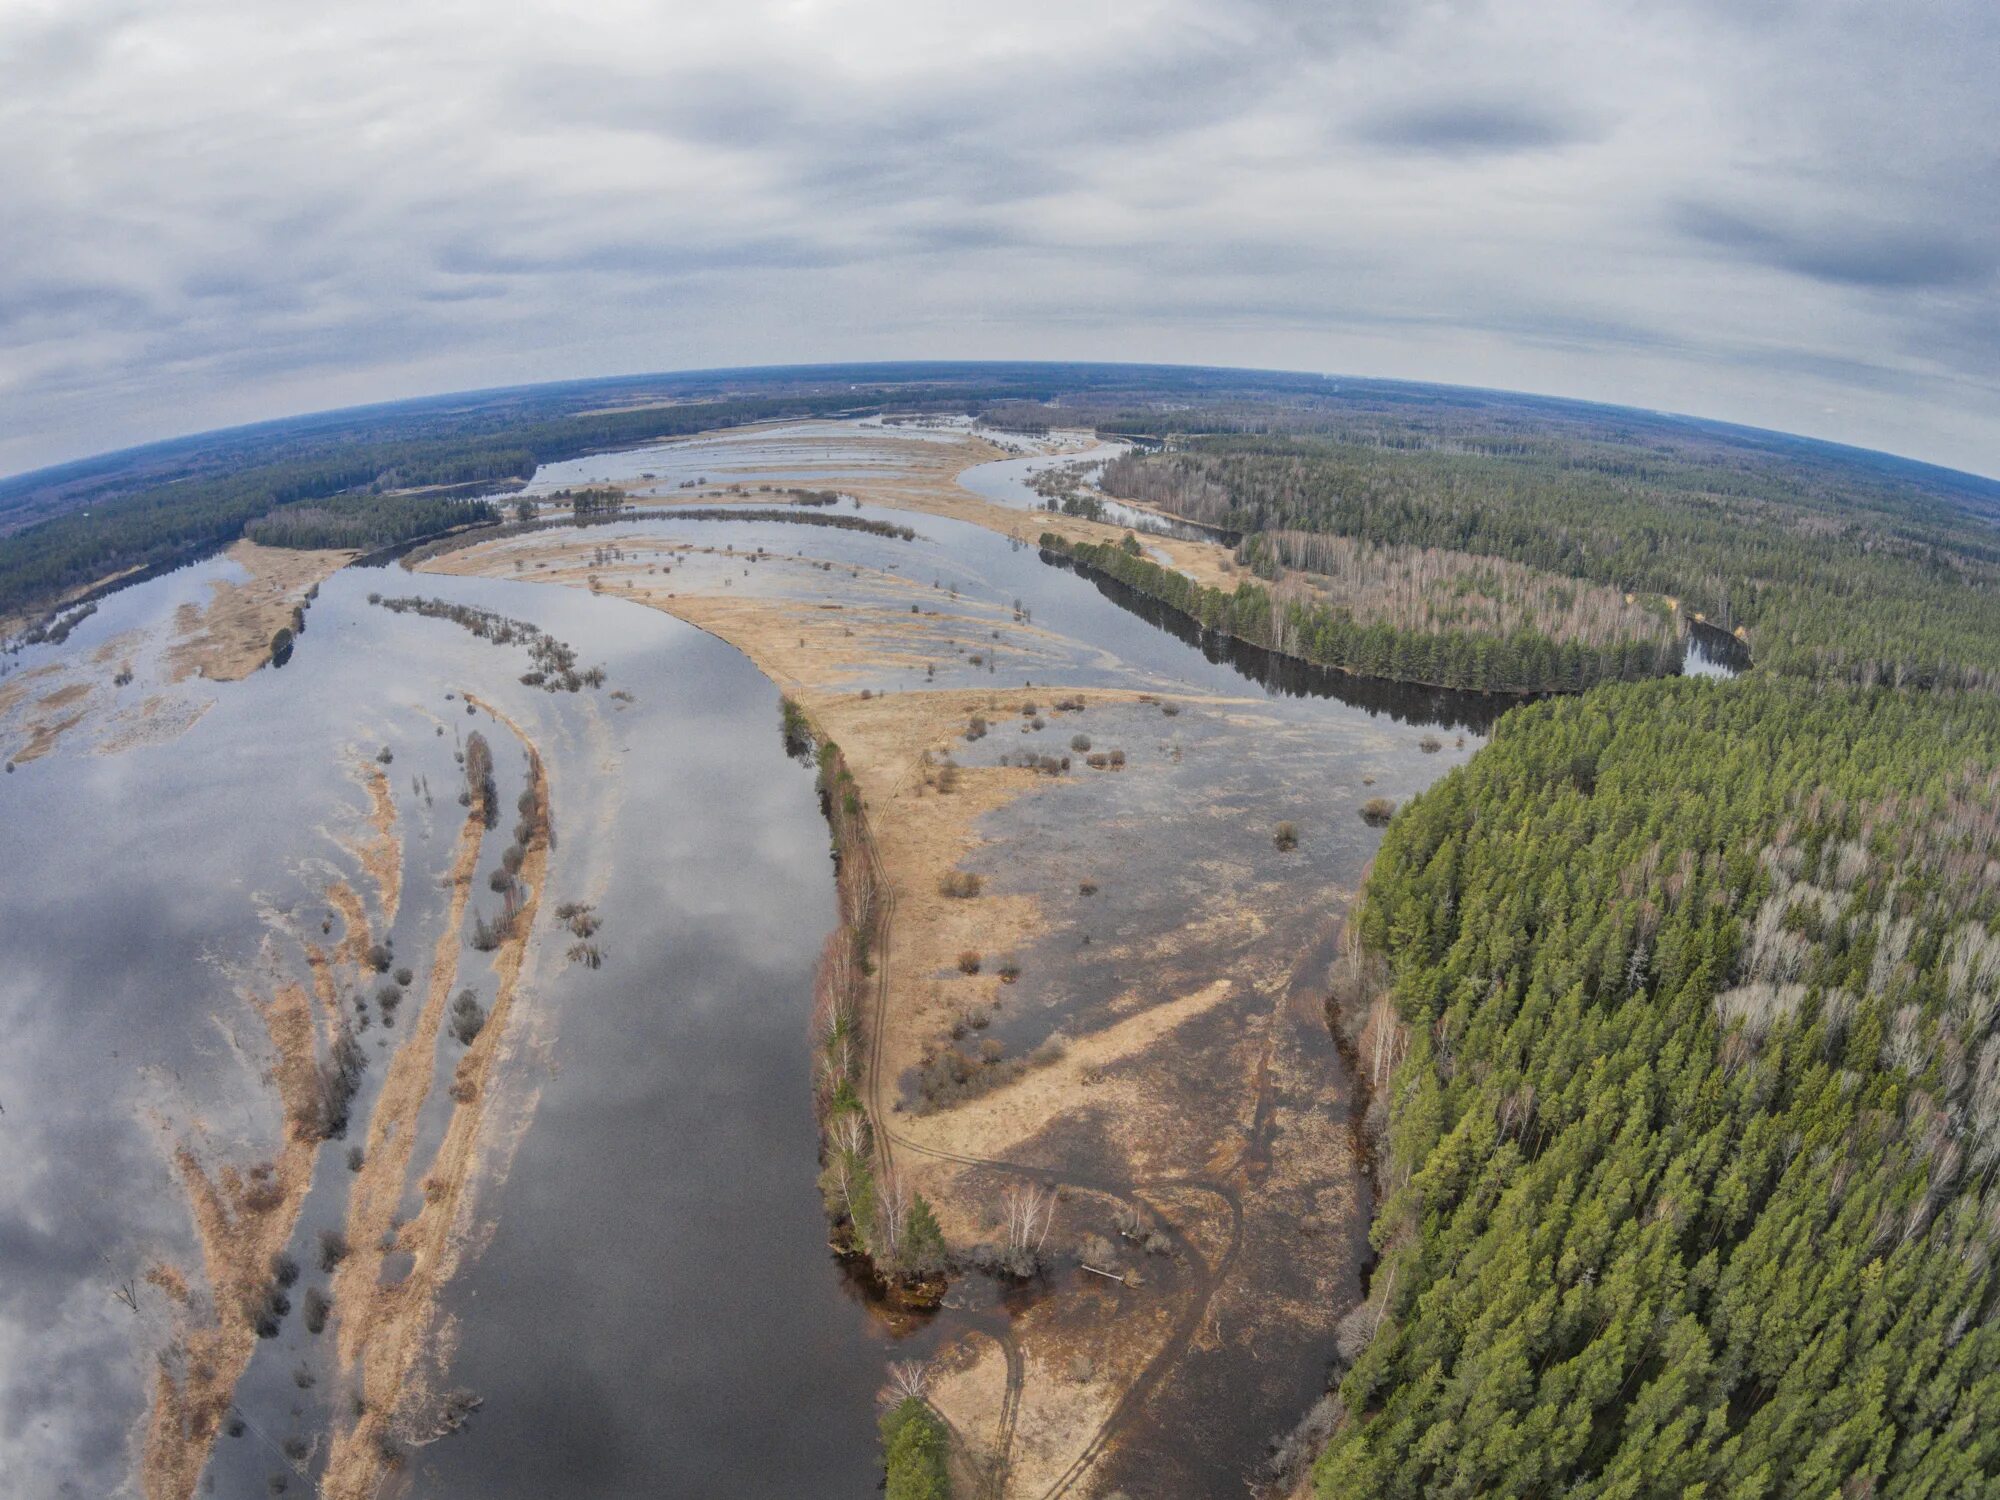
[(213, 211)]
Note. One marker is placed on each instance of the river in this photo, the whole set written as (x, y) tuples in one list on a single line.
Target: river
[(652, 1309)]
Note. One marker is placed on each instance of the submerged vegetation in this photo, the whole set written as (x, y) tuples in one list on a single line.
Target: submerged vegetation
[(1691, 1152), (553, 662), (786, 516)]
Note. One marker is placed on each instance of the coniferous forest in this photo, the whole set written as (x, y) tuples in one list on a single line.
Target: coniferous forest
[(1689, 1172)]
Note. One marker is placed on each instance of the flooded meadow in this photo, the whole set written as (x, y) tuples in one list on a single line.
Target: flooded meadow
[(394, 1116)]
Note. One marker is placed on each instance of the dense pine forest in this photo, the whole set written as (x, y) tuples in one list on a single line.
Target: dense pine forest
[(1690, 1163)]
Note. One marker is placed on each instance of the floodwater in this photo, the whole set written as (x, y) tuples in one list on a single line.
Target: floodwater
[(658, 1313), (1010, 482), (654, 1310)]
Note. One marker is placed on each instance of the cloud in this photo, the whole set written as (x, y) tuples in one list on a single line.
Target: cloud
[(220, 212), (1468, 127), (1845, 251)]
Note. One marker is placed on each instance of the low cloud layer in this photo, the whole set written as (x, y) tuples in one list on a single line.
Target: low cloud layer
[(1782, 214)]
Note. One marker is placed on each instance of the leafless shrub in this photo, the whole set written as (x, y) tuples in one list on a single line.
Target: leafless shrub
[(908, 1380), (1051, 1049), (1028, 1212), (581, 920)]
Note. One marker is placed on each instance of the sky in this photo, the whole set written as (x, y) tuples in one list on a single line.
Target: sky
[(1783, 214)]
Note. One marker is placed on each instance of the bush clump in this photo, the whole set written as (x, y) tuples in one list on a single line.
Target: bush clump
[(961, 885), (468, 1019), (318, 1305), (332, 1248), (1377, 811), (1286, 837)]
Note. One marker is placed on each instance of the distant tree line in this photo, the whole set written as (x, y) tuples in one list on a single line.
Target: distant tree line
[(365, 520), (182, 520)]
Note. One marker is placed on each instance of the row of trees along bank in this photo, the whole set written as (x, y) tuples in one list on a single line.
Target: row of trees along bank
[(875, 1214), (1524, 662)]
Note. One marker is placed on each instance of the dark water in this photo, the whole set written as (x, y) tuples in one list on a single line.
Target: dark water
[(658, 1313), (1712, 652), (1291, 677)]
